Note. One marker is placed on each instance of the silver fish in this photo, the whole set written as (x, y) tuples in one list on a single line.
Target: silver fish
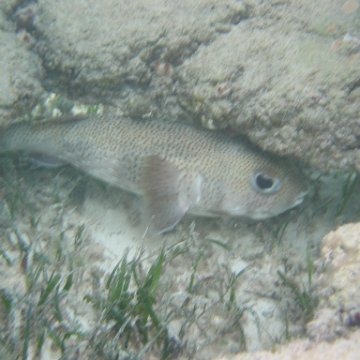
[(178, 168)]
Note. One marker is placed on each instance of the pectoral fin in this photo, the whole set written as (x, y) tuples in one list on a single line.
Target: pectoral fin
[(169, 192)]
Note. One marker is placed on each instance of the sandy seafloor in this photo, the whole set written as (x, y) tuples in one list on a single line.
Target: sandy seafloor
[(43, 211), (61, 200)]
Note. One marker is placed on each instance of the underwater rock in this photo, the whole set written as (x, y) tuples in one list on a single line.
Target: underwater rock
[(115, 46), (20, 75), (335, 330), (338, 285), (293, 79), (284, 74), (345, 349)]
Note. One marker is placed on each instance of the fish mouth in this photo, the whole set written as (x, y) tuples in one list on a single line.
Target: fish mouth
[(262, 215)]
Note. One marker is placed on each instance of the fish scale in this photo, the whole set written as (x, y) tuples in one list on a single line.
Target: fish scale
[(177, 168)]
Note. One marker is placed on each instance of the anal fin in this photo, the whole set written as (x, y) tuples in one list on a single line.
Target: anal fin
[(42, 160)]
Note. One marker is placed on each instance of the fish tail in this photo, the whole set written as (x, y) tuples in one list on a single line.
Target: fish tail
[(8, 137), (4, 139), (2, 143), (15, 137)]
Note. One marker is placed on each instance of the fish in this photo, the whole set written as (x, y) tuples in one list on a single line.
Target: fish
[(176, 167)]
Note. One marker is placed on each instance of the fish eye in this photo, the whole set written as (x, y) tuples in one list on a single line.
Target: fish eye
[(265, 183)]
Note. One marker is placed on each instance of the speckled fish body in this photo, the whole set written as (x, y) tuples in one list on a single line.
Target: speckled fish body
[(178, 168)]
